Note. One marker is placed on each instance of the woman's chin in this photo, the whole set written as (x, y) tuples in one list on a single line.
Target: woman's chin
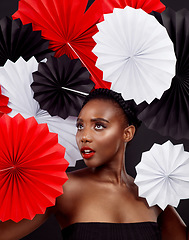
[(91, 163)]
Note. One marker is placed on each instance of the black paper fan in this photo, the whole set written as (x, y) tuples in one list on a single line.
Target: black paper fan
[(61, 85), (170, 115), (18, 40)]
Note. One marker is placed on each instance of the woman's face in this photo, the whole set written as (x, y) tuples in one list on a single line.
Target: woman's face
[(101, 132)]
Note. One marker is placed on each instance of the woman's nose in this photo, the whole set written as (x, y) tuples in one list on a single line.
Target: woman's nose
[(86, 137)]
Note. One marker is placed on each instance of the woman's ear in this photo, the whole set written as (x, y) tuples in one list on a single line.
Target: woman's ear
[(129, 133)]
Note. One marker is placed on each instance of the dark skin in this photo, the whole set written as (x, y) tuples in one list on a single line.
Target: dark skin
[(102, 192)]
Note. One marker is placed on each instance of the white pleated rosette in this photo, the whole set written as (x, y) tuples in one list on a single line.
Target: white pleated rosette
[(135, 53), (163, 175), (15, 79)]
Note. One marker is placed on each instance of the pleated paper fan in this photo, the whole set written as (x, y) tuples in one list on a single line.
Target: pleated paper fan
[(170, 115), (68, 27), (147, 5), (135, 53), (16, 79), (61, 85), (162, 175), (18, 40), (32, 168), (3, 104)]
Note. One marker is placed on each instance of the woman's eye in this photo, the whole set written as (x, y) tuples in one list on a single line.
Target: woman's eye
[(79, 126), (99, 126)]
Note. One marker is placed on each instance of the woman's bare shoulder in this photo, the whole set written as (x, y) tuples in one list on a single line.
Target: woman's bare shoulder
[(142, 201), (76, 177), (71, 189), (68, 202)]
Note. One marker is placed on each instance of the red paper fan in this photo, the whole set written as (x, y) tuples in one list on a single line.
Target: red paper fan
[(3, 104), (68, 27), (146, 5), (32, 168)]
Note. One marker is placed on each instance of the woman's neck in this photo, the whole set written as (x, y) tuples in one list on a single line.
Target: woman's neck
[(113, 172)]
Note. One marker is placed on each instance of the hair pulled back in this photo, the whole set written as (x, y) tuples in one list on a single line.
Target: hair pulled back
[(128, 106)]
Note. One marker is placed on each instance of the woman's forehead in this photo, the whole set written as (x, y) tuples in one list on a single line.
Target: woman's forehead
[(100, 108)]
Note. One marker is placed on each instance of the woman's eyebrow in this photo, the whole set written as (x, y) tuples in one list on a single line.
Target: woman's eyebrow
[(94, 120), (99, 119), (79, 120)]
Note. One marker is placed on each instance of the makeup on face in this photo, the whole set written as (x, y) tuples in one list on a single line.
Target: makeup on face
[(97, 124), (87, 152), (99, 132)]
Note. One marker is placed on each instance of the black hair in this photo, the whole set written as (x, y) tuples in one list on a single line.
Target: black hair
[(128, 106)]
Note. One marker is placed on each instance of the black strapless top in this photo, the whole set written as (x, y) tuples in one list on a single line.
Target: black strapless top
[(112, 231)]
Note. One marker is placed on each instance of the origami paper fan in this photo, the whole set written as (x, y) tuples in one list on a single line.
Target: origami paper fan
[(61, 85), (170, 115), (162, 175), (68, 27), (32, 168), (18, 40), (3, 104), (147, 5), (16, 79), (135, 53)]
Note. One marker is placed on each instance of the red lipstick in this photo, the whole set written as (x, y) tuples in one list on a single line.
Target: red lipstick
[(87, 152)]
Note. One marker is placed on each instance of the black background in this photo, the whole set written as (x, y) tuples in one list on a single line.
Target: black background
[(143, 140)]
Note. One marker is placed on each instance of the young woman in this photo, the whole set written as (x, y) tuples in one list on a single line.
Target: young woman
[(101, 201)]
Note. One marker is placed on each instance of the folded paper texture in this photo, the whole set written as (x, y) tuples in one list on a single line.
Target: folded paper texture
[(146, 5), (18, 40), (68, 27), (162, 175), (135, 54), (61, 85), (15, 79), (3, 104), (170, 114), (32, 168)]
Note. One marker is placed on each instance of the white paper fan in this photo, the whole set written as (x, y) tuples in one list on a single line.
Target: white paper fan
[(163, 175), (16, 79), (135, 53)]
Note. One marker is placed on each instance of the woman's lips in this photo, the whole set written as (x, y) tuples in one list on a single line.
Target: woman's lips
[(87, 152)]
